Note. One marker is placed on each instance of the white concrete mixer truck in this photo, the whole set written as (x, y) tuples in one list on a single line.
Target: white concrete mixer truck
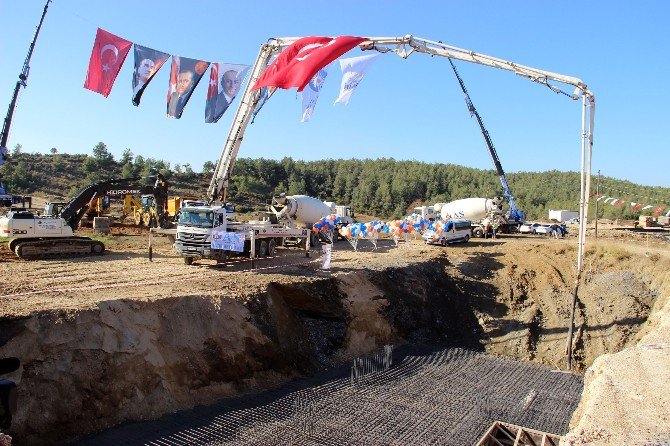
[(298, 211), (481, 211)]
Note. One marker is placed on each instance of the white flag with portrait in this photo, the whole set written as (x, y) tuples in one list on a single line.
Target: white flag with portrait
[(311, 93), (353, 71)]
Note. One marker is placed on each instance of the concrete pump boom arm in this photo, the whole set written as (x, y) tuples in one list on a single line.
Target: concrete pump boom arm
[(402, 46)]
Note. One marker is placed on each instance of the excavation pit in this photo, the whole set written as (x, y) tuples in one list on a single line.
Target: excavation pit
[(120, 339)]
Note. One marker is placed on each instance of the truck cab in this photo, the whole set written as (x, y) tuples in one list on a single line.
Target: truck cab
[(427, 212), (452, 231), (194, 231)]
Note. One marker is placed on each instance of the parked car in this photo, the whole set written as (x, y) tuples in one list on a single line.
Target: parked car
[(543, 229), (573, 221), (454, 231), (528, 228)]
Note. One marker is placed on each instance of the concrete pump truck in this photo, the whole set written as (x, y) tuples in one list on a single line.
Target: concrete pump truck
[(195, 236)]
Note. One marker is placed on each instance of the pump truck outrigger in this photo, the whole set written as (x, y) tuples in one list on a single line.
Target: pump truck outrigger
[(34, 236)]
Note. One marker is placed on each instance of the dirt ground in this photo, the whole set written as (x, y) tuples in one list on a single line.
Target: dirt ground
[(519, 288)]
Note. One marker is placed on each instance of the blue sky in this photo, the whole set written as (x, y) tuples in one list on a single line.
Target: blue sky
[(405, 109)]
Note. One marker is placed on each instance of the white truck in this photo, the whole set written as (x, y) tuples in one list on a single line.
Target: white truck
[(427, 212), (344, 212), (481, 211), (298, 211), (198, 227)]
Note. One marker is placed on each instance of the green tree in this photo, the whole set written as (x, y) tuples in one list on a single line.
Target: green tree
[(128, 170), (208, 168), (296, 185), (126, 157)]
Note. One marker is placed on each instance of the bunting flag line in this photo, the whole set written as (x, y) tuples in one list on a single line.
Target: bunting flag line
[(147, 64), (353, 71), (184, 77), (225, 81), (108, 54), (302, 60), (311, 94), (636, 206)]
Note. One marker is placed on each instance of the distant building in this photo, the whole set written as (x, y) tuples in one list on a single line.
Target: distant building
[(562, 216)]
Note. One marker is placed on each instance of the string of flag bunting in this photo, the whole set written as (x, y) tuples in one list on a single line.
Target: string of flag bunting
[(636, 205), (303, 64), (623, 192)]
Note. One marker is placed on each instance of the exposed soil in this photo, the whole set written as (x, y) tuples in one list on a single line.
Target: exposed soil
[(113, 338)]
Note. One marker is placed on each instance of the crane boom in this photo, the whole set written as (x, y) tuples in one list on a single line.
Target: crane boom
[(515, 213), (404, 47), (219, 184), (23, 79)]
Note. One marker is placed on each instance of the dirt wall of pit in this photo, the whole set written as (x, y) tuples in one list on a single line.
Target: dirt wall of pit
[(86, 370), (626, 398)]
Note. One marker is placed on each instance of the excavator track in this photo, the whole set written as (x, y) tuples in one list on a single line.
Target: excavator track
[(57, 247)]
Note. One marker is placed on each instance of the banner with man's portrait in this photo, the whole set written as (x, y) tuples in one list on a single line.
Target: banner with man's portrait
[(225, 82), (184, 77), (147, 64)]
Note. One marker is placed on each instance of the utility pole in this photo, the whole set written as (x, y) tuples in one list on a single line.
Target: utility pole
[(23, 81), (597, 200)]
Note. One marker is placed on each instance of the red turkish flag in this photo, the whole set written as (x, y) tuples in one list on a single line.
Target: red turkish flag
[(658, 210), (300, 61), (620, 203), (636, 206), (109, 53), (213, 88)]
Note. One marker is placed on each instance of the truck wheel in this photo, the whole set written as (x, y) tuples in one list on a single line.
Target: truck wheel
[(478, 232), (262, 248), (272, 247), (188, 260)]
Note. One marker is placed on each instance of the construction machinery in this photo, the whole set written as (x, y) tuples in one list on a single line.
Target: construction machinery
[(403, 47), (52, 234), (299, 211), (7, 199), (515, 214)]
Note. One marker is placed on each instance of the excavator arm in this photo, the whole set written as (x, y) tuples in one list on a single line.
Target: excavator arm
[(73, 211)]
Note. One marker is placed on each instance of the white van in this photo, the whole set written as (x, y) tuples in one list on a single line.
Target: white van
[(455, 231)]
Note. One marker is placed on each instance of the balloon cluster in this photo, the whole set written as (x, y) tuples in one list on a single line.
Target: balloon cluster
[(363, 230), (440, 226), (326, 223), (419, 223), (411, 224)]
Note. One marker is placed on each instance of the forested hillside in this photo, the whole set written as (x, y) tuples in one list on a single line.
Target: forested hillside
[(381, 187)]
